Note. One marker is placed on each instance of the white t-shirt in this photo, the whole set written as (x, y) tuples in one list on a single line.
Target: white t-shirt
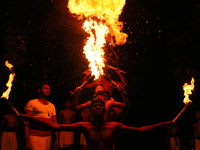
[(40, 110)]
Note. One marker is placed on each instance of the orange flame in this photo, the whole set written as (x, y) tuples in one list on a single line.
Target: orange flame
[(93, 49), (188, 88), (108, 10), (9, 83), (107, 13)]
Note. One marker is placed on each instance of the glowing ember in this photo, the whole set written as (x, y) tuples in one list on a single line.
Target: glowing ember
[(107, 13), (9, 83), (188, 88)]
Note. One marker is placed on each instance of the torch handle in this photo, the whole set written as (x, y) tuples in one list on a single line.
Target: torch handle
[(17, 113), (181, 112), (111, 67), (84, 83)]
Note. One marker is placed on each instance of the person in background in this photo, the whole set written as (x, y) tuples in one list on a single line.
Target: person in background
[(8, 129), (173, 138), (196, 127), (44, 110), (66, 116)]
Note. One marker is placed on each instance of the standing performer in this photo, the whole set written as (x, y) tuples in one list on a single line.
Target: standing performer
[(44, 110), (197, 131), (99, 134), (66, 116), (8, 128)]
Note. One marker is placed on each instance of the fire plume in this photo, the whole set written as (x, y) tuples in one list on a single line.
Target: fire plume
[(108, 10), (188, 88), (93, 48), (102, 19), (10, 80)]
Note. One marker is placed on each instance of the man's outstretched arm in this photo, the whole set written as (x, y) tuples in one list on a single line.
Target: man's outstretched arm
[(50, 125), (129, 129)]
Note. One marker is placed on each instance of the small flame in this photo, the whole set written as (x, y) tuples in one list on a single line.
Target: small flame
[(9, 83), (188, 88)]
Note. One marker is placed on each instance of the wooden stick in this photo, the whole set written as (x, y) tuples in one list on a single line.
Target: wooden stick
[(84, 83), (181, 112), (111, 67)]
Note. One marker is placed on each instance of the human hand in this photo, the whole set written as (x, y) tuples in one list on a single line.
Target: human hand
[(55, 147), (88, 72), (117, 70)]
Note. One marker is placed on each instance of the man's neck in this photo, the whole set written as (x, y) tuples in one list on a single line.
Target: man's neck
[(98, 121), (43, 100)]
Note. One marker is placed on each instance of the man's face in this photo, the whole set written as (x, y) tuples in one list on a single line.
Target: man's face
[(45, 90), (99, 92), (197, 114), (98, 109), (68, 104)]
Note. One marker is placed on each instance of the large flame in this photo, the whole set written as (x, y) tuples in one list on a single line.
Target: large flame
[(10, 80), (107, 10), (188, 88), (107, 13), (94, 46)]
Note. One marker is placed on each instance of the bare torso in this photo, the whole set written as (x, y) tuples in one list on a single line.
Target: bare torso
[(67, 116), (99, 138), (10, 121)]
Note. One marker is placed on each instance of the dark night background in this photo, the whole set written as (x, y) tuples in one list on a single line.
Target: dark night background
[(44, 41)]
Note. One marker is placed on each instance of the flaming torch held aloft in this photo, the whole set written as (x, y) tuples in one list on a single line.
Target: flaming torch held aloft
[(101, 21), (5, 95), (188, 88), (10, 80)]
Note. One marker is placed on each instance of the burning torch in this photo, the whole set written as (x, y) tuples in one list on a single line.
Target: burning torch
[(188, 88), (83, 84), (5, 94)]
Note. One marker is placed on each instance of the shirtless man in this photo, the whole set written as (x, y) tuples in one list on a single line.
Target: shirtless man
[(66, 116), (196, 127), (110, 103), (8, 128), (99, 133)]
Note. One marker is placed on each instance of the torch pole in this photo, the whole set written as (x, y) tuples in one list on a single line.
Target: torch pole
[(111, 67), (182, 111), (16, 112), (13, 108), (84, 83)]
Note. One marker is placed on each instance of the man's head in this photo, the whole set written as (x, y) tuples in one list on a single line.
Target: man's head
[(97, 106), (68, 104), (44, 90), (197, 114), (99, 92)]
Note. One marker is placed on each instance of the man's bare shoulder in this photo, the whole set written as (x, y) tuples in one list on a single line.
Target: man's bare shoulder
[(113, 124)]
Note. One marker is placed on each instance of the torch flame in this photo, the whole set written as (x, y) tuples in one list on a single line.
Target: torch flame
[(9, 83), (188, 88), (107, 13)]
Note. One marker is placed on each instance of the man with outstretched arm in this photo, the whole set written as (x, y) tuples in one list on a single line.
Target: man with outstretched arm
[(99, 133)]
